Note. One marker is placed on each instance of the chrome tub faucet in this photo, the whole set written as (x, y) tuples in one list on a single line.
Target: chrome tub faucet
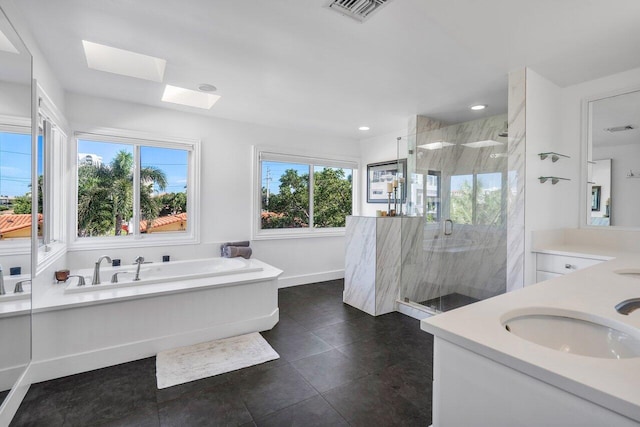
[(96, 269)]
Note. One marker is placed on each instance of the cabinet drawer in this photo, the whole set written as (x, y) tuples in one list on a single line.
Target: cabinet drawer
[(541, 276), (562, 264)]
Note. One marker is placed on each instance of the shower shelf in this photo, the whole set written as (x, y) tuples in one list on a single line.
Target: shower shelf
[(554, 156), (554, 179)]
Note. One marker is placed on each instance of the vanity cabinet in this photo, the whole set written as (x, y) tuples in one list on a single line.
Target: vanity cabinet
[(549, 266)]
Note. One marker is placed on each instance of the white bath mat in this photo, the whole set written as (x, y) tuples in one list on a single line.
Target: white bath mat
[(184, 364)]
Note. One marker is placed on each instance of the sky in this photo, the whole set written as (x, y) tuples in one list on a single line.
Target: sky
[(15, 164), (171, 161)]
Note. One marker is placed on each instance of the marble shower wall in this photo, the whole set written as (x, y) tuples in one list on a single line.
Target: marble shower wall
[(471, 261)]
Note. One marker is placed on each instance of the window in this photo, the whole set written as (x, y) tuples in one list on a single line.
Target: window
[(303, 195), (477, 199), (130, 188), (15, 183)]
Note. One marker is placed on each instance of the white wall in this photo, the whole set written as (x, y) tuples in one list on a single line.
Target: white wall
[(546, 205), (226, 156), (374, 150)]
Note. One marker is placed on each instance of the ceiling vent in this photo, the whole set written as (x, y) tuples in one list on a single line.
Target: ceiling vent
[(360, 10), (620, 128)]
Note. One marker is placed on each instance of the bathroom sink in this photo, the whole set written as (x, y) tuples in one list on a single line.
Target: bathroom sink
[(564, 332), (629, 272)]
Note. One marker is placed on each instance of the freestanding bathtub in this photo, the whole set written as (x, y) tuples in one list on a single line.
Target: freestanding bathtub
[(162, 272)]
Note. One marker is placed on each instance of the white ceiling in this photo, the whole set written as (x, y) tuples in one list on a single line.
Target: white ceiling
[(297, 64)]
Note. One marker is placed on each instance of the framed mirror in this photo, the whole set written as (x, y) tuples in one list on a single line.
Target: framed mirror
[(613, 160), (16, 156)]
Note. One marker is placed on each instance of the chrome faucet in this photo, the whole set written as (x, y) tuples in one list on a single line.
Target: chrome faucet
[(2, 291), (628, 306), (139, 261), (96, 270), (18, 287), (81, 281), (114, 277)]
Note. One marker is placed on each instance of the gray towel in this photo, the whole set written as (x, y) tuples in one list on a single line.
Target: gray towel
[(244, 243), (236, 251)]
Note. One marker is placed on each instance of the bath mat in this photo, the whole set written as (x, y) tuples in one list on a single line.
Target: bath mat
[(184, 364)]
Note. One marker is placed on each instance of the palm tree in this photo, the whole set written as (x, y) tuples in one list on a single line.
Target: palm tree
[(105, 195)]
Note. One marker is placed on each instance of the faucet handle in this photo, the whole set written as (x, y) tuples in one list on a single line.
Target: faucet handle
[(81, 281), (18, 287)]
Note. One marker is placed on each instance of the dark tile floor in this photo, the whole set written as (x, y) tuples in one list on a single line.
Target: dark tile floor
[(338, 366), (449, 302)]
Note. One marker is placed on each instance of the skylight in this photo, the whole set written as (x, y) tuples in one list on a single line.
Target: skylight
[(436, 145), (6, 45), (482, 144), (188, 97), (124, 62)]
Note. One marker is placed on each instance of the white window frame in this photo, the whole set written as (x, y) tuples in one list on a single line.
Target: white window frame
[(138, 139), (21, 125), (288, 156)]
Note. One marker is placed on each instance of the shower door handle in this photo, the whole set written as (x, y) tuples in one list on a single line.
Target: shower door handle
[(448, 221)]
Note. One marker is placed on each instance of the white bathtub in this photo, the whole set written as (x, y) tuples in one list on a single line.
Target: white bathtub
[(161, 272)]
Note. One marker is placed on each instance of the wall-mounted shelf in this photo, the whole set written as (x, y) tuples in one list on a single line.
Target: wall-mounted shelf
[(554, 179), (554, 156)]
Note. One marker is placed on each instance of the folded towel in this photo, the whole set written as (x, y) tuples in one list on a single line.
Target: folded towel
[(236, 251), (244, 243)]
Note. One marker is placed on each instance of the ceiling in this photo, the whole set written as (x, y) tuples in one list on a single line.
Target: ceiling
[(296, 64)]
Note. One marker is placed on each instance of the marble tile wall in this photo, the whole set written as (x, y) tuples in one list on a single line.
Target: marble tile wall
[(516, 167)]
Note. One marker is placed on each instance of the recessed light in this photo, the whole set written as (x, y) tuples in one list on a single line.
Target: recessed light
[(364, 128), (124, 62), (436, 145), (206, 87), (6, 45), (478, 107), (188, 97)]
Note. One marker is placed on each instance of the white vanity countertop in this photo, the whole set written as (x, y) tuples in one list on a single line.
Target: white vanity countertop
[(612, 383), (581, 251), (52, 296)]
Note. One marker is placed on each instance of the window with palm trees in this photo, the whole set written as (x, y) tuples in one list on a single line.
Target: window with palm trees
[(131, 189)]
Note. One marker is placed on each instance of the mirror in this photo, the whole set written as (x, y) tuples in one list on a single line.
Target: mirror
[(15, 206), (613, 161)]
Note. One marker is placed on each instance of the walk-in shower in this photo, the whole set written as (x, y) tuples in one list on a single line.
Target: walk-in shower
[(458, 183)]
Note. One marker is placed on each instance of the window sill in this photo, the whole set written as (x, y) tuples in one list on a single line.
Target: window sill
[(48, 254), (91, 243), (276, 234)]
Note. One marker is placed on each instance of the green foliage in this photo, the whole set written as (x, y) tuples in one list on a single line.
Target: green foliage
[(289, 208), (22, 204), (105, 195), (332, 198), (488, 206), (172, 203)]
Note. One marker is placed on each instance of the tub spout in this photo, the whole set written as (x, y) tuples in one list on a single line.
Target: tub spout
[(139, 261), (96, 270)]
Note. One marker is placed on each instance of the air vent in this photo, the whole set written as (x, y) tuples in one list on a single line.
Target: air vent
[(360, 10), (620, 128)]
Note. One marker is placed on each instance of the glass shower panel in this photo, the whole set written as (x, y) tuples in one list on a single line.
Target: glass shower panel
[(455, 252)]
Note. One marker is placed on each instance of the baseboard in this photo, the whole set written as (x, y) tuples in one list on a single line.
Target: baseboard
[(303, 279), (44, 370), (8, 376), (14, 398)]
